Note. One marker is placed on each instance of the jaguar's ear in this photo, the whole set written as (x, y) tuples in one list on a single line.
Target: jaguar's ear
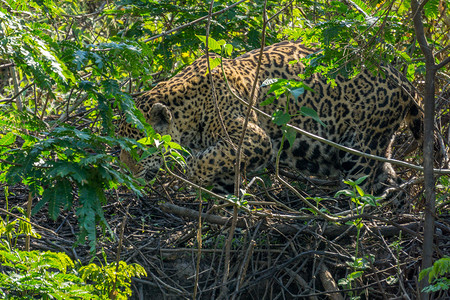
[(160, 118)]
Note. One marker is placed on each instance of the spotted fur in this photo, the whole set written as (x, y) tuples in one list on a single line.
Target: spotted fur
[(362, 113)]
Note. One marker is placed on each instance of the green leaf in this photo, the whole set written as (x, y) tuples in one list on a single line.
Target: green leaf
[(361, 180), (214, 62), (346, 193), (88, 212), (268, 101), (309, 112), (404, 55), (72, 169), (227, 49), (297, 92), (212, 43), (280, 117), (431, 9), (354, 275), (290, 134), (8, 139), (359, 190), (57, 196)]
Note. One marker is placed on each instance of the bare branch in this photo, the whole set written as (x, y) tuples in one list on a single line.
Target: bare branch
[(443, 63), (193, 22), (251, 103)]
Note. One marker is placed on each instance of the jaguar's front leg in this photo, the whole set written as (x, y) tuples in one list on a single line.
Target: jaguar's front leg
[(215, 165)]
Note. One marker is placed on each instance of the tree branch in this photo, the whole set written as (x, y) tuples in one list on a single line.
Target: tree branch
[(193, 22), (443, 63)]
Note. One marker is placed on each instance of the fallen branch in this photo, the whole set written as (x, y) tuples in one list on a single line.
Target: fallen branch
[(193, 215), (329, 284), (332, 231)]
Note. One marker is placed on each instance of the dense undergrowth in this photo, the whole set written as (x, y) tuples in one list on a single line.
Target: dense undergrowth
[(69, 71)]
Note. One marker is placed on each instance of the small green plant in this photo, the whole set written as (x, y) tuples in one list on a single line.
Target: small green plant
[(111, 280), (43, 275), (317, 200), (35, 274), (53, 275), (437, 275), (442, 192), (361, 200)]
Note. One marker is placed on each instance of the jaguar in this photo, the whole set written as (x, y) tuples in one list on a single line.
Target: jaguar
[(208, 117)]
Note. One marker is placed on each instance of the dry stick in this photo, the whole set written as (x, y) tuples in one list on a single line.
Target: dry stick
[(113, 293), (199, 247), (276, 202), (224, 290), (251, 103), (397, 267), (328, 283), (16, 88), (213, 88), (248, 254), (302, 282), (374, 270), (29, 206), (18, 94), (193, 22), (45, 106), (332, 231)]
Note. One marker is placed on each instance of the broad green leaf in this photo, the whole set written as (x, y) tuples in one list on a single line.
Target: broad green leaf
[(354, 275), (297, 92), (280, 117), (7, 139), (214, 62), (404, 55), (346, 193), (212, 43), (290, 135), (309, 112), (431, 9), (359, 190), (146, 141)]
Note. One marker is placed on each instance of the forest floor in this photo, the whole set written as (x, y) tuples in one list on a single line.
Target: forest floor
[(274, 253)]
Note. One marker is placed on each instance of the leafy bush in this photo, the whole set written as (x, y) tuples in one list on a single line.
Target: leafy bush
[(53, 275), (437, 275), (47, 275), (111, 280)]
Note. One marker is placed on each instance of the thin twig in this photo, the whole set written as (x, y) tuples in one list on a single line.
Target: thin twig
[(27, 221), (347, 149), (193, 22), (251, 102), (213, 88)]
